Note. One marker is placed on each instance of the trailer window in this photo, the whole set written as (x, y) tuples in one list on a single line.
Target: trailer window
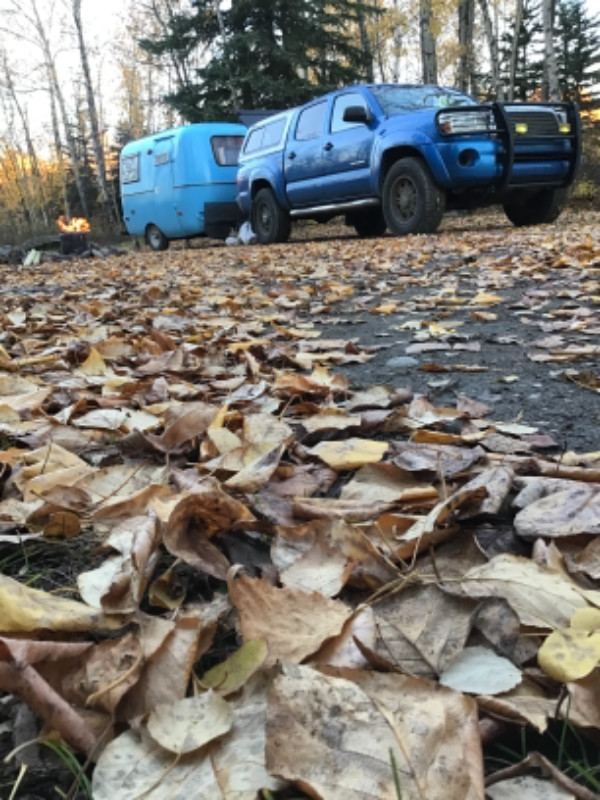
[(226, 149), (130, 168)]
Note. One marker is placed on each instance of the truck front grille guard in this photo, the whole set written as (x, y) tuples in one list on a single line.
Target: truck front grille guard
[(507, 136)]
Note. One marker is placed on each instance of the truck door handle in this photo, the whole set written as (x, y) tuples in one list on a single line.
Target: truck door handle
[(328, 146), (292, 155)]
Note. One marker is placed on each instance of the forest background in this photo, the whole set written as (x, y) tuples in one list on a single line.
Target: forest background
[(70, 99)]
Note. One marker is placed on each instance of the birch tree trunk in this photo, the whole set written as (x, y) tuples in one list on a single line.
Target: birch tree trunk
[(58, 149), (428, 43), (97, 147), (365, 43), (515, 50), (51, 68), (36, 174), (12, 152), (491, 35), (550, 85), (397, 48)]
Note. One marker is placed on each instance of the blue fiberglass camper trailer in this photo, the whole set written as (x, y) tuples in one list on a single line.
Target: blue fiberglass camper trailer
[(181, 183)]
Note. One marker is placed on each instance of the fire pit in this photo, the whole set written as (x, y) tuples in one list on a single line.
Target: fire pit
[(73, 238)]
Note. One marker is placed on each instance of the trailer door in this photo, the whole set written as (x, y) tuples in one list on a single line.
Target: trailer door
[(165, 210)]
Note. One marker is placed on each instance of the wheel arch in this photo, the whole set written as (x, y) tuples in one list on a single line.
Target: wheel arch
[(258, 184), (393, 154)]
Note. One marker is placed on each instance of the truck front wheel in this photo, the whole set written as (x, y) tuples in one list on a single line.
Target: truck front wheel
[(412, 202), (156, 239), (270, 222), (536, 208)]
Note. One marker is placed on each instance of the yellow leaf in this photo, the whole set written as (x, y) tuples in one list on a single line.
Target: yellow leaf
[(484, 316), (235, 347), (485, 299), (231, 674), (568, 654), (94, 364), (586, 619), (351, 453), (24, 610), (385, 308)]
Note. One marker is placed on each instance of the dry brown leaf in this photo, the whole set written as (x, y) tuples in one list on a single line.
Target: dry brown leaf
[(541, 597), (567, 513), (292, 622), (333, 736), (386, 483), (198, 516), (119, 584), (186, 725), (170, 650), (422, 629)]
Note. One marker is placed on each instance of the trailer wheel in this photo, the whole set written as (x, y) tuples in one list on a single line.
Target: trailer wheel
[(370, 223), (156, 239), (536, 208), (270, 222), (412, 201)]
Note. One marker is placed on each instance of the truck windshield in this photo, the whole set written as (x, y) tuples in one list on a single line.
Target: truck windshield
[(399, 99), (226, 149)]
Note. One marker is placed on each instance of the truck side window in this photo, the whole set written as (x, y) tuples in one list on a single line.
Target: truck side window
[(340, 105), (273, 132), (226, 149), (310, 122), (254, 141)]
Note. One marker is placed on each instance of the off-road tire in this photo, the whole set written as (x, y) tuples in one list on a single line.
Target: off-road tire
[(412, 201), (536, 208), (370, 222), (155, 238), (270, 222)]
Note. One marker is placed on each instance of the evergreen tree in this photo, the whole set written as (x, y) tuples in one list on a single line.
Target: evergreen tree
[(268, 54), (529, 66), (577, 51)]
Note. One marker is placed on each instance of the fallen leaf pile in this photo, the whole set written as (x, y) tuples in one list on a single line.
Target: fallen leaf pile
[(278, 579)]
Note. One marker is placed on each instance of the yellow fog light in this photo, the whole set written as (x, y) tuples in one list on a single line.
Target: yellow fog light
[(565, 128), (521, 127)]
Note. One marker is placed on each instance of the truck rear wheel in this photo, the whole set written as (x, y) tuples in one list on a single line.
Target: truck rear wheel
[(412, 202), (270, 222), (537, 208), (370, 223), (155, 238)]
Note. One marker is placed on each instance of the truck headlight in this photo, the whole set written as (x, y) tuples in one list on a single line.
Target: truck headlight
[(452, 122)]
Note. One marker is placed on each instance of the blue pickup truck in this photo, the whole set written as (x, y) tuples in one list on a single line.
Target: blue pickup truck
[(392, 156)]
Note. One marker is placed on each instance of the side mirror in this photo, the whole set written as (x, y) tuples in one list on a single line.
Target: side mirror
[(358, 114)]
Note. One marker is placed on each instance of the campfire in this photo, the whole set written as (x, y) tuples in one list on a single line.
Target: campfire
[(73, 237)]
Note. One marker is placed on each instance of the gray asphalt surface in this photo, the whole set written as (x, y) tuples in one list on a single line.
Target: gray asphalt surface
[(549, 280)]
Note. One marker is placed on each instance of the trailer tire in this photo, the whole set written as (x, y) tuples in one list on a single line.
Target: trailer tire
[(270, 222), (412, 201), (536, 208), (370, 223), (155, 238)]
